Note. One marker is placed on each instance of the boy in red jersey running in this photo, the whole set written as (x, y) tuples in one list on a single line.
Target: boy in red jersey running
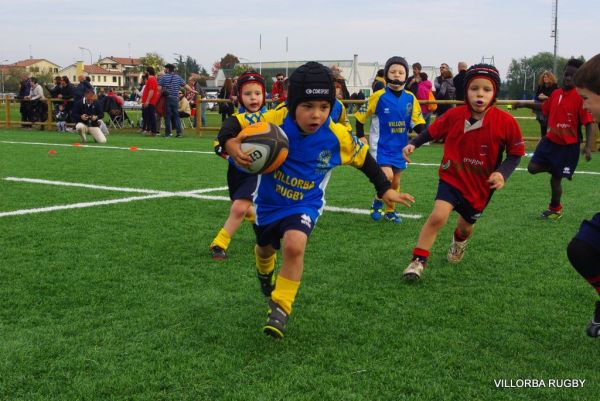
[(558, 152), (475, 136)]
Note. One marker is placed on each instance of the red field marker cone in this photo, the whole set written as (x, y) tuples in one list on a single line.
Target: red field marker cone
[(133, 148), (77, 144), (52, 152)]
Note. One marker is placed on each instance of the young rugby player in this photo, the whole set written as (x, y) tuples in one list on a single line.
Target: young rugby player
[(398, 112), (558, 152), (251, 88), (290, 200), (475, 134)]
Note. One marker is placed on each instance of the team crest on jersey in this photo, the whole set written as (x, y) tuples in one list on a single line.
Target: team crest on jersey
[(483, 149), (409, 108), (323, 163), (306, 220), (446, 166)]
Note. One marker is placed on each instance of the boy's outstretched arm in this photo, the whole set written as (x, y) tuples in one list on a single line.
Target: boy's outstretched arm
[(383, 187), (416, 142), (498, 178)]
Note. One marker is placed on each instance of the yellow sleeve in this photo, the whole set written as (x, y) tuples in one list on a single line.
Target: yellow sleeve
[(344, 118), (352, 150), (417, 116), (275, 116), (368, 108)]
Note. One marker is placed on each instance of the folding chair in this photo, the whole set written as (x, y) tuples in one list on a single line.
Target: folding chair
[(114, 111)]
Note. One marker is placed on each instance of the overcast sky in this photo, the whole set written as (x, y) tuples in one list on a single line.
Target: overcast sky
[(428, 31)]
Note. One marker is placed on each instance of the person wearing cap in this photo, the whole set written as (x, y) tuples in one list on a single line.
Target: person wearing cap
[(251, 95), (476, 134), (290, 200), (170, 84), (398, 112)]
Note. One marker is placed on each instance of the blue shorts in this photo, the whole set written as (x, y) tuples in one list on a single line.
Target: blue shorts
[(272, 234), (448, 193), (561, 159), (589, 232), (241, 185), (395, 169)]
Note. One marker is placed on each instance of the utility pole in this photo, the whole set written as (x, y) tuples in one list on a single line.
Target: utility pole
[(554, 33)]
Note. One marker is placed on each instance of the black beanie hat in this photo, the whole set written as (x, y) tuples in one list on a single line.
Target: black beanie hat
[(311, 81), (249, 77), (487, 71), (395, 60)]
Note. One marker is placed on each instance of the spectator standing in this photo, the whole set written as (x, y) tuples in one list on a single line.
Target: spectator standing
[(38, 108), (83, 86), (171, 83), (277, 91), (423, 90), (226, 108), (412, 83), (459, 81), (25, 107), (150, 96), (546, 85), (378, 81), (445, 92)]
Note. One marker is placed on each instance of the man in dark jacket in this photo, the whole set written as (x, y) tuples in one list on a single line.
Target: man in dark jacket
[(87, 114), (25, 109), (459, 80)]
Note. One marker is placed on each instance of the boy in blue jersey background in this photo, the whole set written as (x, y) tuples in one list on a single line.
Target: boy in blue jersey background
[(289, 200), (398, 112)]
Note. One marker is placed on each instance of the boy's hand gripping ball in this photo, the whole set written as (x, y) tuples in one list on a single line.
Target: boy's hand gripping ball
[(266, 144)]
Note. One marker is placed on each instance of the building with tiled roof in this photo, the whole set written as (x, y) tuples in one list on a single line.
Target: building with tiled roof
[(101, 78), (37, 66), (128, 67)]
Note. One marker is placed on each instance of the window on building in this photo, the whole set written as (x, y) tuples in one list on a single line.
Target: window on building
[(114, 79), (105, 78)]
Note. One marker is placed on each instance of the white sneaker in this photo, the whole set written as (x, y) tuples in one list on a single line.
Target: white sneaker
[(413, 271), (457, 250)]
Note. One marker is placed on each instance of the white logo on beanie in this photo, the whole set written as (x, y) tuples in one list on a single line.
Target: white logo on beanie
[(317, 91)]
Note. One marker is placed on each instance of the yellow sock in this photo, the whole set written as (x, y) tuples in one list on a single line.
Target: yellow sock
[(222, 239), (284, 293), (265, 265), (390, 208)]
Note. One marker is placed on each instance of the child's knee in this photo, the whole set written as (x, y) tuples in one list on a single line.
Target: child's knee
[(437, 220), (293, 249), (239, 209)]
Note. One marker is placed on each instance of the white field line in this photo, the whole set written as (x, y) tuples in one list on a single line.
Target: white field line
[(212, 153), (153, 194), (108, 147)]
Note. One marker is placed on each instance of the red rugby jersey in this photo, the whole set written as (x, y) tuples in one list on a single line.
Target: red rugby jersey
[(473, 152), (565, 113)]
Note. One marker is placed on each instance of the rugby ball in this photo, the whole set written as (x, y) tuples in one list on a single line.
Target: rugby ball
[(266, 144)]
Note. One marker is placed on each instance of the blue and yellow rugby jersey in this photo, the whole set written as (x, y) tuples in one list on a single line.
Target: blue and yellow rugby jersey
[(298, 185), (338, 114), (397, 116)]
